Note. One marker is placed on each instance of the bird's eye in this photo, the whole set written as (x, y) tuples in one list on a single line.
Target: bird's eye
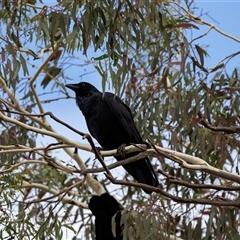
[(83, 84)]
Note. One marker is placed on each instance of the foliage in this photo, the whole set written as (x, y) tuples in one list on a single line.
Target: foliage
[(139, 48)]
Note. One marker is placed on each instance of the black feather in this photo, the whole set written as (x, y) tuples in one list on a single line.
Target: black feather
[(104, 208)]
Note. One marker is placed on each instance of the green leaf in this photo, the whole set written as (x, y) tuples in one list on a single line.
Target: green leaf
[(43, 26), (52, 72), (24, 65), (16, 68), (217, 67), (201, 53), (104, 56)]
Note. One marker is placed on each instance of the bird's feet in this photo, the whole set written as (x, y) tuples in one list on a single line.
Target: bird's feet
[(99, 149), (121, 150), (147, 144)]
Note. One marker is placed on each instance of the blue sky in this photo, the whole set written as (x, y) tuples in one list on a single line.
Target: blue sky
[(225, 16)]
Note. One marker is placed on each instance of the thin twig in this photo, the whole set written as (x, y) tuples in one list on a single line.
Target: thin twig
[(228, 130)]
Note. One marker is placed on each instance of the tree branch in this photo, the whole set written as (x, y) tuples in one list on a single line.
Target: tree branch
[(26, 184), (214, 201), (228, 130), (175, 180)]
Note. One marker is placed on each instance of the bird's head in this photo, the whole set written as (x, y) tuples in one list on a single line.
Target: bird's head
[(82, 89)]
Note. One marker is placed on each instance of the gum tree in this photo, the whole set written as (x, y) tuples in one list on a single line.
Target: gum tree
[(186, 111)]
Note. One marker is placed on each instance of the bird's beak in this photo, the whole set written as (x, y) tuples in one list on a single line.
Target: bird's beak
[(73, 87)]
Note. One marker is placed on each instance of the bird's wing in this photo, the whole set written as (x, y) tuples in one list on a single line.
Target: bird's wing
[(123, 114), (142, 170)]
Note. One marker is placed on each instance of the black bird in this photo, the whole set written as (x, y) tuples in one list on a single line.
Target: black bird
[(104, 207), (110, 122)]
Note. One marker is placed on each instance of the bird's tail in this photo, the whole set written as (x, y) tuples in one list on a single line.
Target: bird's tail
[(141, 170)]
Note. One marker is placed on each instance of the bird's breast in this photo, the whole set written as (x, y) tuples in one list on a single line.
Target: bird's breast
[(104, 126)]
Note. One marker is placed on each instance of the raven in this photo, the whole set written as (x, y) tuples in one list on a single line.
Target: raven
[(110, 122), (104, 208)]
